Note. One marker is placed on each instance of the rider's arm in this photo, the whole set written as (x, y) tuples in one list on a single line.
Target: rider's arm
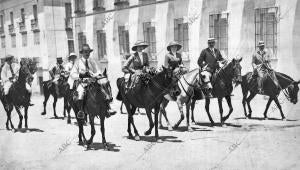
[(74, 74), (254, 62), (220, 57), (127, 65), (4, 76)]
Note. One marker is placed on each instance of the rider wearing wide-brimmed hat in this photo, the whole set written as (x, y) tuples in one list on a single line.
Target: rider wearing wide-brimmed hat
[(84, 67), (261, 66), (136, 63), (173, 59)]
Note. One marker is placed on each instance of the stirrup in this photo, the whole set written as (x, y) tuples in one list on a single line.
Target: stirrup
[(80, 114)]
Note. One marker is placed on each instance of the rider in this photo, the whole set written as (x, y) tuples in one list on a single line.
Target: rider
[(210, 57), (262, 67), (173, 59), (55, 73), (84, 68), (9, 73), (136, 63), (69, 65)]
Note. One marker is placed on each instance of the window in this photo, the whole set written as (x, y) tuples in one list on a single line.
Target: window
[(218, 29), (1, 24), (68, 9), (79, 6), (98, 4), (123, 40), (2, 42), (36, 38), (71, 46), (11, 18), (101, 42), (35, 15), (181, 33), (22, 15), (81, 40), (266, 29), (24, 40), (149, 38), (13, 41)]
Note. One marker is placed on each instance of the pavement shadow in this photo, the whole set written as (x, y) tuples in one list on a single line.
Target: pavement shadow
[(26, 130), (111, 147), (59, 117), (163, 138), (217, 124), (269, 118), (184, 129)]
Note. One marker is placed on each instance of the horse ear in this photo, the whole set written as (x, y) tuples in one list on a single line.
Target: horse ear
[(240, 59), (104, 72), (163, 67), (298, 82)]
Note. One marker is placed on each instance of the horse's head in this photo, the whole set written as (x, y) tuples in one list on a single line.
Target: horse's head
[(293, 90), (236, 70), (104, 84), (27, 68), (205, 78)]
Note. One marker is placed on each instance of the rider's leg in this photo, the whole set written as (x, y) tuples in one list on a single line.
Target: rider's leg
[(260, 81)]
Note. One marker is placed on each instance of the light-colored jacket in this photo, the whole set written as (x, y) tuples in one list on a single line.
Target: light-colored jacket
[(80, 68), (68, 66), (6, 72)]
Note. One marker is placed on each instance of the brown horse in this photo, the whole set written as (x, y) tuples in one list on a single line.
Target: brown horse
[(287, 84), (222, 87), (49, 89), (18, 96), (148, 97)]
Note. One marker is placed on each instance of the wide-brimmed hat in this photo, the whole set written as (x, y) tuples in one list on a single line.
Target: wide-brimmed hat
[(87, 48), (139, 44), (9, 57), (260, 43), (210, 40), (174, 43), (72, 55)]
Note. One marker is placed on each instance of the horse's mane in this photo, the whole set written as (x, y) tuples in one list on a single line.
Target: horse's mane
[(285, 76)]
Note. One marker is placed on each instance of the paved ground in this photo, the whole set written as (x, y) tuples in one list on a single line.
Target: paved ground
[(242, 144)]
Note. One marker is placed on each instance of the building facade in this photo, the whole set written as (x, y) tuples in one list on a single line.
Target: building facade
[(37, 29)]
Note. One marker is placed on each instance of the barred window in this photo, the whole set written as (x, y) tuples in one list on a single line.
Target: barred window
[(101, 42), (79, 5), (181, 33), (1, 21), (13, 41), (81, 40), (2, 42), (98, 3), (22, 15), (218, 29), (149, 38), (71, 46), (24, 39), (266, 28), (36, 38), (11, 14), (35, 12), (123, 40)]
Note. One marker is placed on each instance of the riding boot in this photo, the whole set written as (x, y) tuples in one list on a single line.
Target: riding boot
[(260, 85), (80, 113)]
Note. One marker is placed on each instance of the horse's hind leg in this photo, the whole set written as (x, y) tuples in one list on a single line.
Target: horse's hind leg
[(248, 100), (162, 111), (228, 99), (267, 107), (137, 136), (188, 105), (26, 116), (151, 124), (46, 97), (93, 131), (20, 117), (279, 107), (128, 108), (221, 109), (68, 109), (54, 107), (103, 132), (192, 110), (207, 102), (180, 107)]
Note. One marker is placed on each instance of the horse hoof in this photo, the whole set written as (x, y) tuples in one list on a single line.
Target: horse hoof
[(130, 136), (160, 126), (283, 119), (105, 146), (147, 133), (26, 127), (137, 138), (175, 127), (80, 143), (170, 128), (43, 113), (190, 129), (69, 121), (193, 123), (7, 128), (158, 140)]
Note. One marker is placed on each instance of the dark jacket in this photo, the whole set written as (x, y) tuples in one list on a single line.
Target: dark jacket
[(172, 61), (134, 63), (207, 57)]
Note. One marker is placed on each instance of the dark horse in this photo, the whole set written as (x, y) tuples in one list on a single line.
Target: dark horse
[(148, 97), (98, 96), (18, 95), (49, 89), (287, 84), (222, 87)]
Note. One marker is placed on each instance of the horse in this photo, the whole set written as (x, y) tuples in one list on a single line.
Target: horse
[(49, 89), (187, 83), (287, 85), (18, 96), (148, 97), (222, 87), (98, 96), (121, 109)]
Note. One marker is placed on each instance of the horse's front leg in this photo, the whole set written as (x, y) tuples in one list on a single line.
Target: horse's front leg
[(136, 133), (279, 107), (156, 111), (68, 109), (267, 107), (128, 108), (20, 117), (54, 107), (192, 110), (248, 100), (65, 107), (151, 124), (102, 119), (228, 99), (46, 97), (162, 111), (180, 107), (26, 116), (220, 109), (93, 131), (188, 105), (207, 102)]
